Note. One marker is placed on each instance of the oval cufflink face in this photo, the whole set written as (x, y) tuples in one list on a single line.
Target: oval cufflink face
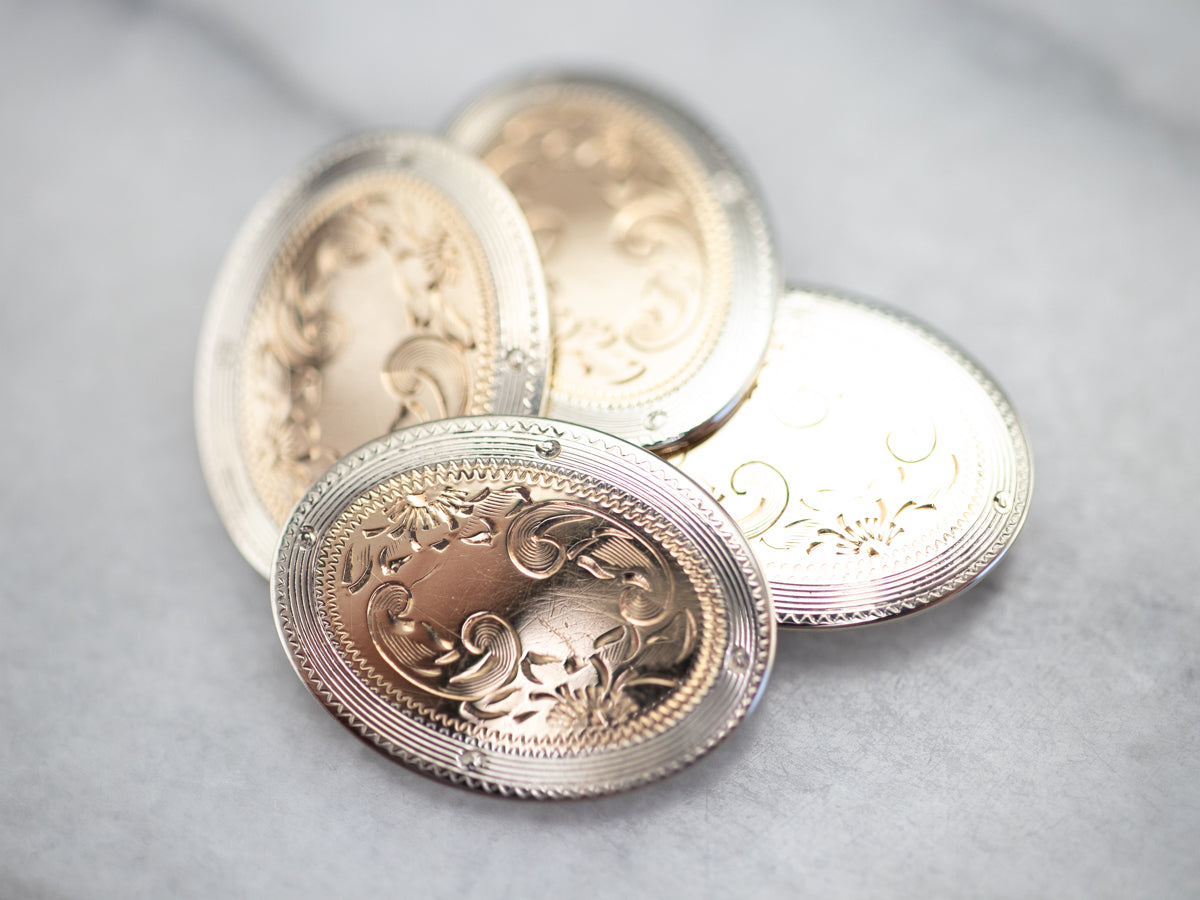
[(523, 606), (875, 469), (393, 281), (660, 266)]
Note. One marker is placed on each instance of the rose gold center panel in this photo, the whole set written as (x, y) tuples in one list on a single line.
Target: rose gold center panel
[(659, 264), (519, 612)]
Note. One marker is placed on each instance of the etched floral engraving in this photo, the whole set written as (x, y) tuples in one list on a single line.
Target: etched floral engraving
[(365, 326), (634, 247), (856, 467), (486, 606), (847, 519), (870, 535)]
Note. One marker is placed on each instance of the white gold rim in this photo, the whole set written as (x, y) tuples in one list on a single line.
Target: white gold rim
[(962, 564), (699, 406), (526, 772), (523, 347)]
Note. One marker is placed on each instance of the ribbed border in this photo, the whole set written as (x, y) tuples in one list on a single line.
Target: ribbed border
[(697, 407), (522, 318), (536, 771), (961, 563)]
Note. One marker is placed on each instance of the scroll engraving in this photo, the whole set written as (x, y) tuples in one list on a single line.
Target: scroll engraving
[(429, 377), (634, 249), (859, 464), (386, 292), (844, 520), (877, 469), (547, 617), (880, 480)]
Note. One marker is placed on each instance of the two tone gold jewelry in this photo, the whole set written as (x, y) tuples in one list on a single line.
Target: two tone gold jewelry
[(523, 606), (659, 261), (393, 281), (543, 607), (875, 469)]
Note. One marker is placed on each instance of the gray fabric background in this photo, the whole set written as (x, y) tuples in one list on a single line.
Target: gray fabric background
[(1023, 176)]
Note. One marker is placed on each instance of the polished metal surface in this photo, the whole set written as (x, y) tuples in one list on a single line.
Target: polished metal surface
[(659, 262), (393, 281), (1023, 175), (523, 606), (875, 468)]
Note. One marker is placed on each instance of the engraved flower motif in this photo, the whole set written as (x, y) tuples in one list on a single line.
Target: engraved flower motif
[(426, 264), (607, 701), (425, 254), (441, 258), (867, 535), (595, 705), (425, 510)]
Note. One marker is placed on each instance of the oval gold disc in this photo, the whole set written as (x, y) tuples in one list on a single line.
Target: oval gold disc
[(875, 469), (523, 606), (659, 265), (395, 281)]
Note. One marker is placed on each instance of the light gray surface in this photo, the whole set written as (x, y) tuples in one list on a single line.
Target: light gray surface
[(1027, 180)]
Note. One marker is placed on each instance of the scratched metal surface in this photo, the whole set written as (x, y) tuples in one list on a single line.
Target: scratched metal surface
[(1025, 180)]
